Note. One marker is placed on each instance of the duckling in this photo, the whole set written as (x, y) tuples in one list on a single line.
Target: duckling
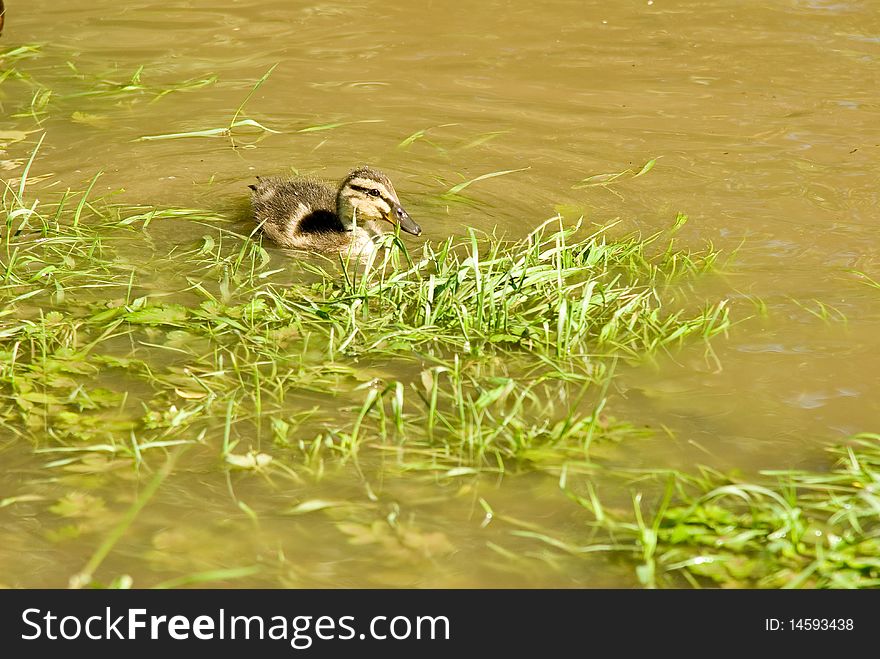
[(306, 214)]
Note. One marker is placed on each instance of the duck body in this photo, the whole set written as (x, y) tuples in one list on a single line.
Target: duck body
[(301, 214), (310, 215)]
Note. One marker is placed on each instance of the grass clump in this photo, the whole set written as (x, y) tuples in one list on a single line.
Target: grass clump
[(552, 293), (784, 529)]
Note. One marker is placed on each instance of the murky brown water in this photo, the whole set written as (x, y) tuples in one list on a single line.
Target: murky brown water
[(766, 120)]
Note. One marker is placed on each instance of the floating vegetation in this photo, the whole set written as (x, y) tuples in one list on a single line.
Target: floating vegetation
[(14, 54), (107, 88), (421, 136), (336, 124), (455, 190), (873, 283), (84, 85), (229, 129), (825, 312), (606, 181)]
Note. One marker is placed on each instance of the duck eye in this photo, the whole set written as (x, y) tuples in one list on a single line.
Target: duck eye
[(374, 192)]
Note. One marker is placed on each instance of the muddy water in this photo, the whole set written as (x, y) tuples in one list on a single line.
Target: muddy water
[(766, 123)]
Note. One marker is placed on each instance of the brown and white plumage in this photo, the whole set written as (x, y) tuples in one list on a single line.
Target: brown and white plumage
[(310, 215)]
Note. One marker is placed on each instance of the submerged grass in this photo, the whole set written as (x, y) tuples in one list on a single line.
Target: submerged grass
[(783, 529)]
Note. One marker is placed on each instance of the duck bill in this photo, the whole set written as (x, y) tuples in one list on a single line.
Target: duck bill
[(406, 223)]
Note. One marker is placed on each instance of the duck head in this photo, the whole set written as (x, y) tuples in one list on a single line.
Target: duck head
[(367, 196)]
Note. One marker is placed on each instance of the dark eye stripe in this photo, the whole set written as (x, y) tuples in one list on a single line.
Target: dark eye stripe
[(373, 192)]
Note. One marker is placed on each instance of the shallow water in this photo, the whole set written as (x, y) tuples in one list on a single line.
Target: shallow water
[(766, 125)]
